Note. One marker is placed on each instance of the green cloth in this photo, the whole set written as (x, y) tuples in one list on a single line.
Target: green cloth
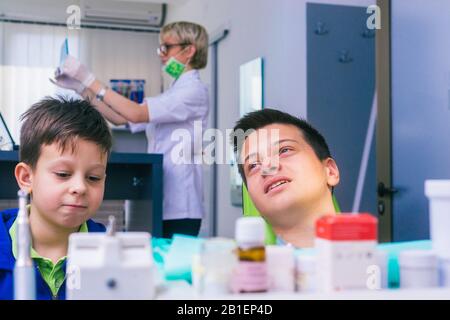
[(53, 274), (336, 205)]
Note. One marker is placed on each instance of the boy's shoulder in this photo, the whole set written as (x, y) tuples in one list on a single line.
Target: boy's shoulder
[(95, 226), (8, 217)]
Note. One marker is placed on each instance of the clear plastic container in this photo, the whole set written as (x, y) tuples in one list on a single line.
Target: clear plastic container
[(213, 267), (382, 259), (418, 269), (281, 268), (438, 193), (306, 274), (444, 272)]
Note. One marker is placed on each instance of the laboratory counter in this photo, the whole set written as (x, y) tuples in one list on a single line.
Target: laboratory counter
[(181, 290)]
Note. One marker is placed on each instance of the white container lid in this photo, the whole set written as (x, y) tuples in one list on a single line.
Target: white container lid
[(437, 188), (306, 263), (418, 259), (250, 230)]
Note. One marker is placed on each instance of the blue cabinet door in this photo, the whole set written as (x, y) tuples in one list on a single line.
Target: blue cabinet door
[(420, 51), (341, 84)]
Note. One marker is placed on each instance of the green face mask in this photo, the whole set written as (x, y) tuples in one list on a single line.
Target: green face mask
[(174, 68)]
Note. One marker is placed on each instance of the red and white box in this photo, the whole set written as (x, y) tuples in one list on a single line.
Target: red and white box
[(345, 245)]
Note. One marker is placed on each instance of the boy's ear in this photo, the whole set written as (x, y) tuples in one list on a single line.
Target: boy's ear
[(24, 176), (332, 172)]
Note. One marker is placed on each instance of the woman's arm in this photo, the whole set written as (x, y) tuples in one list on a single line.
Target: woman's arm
[(127, 109), (104, 109)]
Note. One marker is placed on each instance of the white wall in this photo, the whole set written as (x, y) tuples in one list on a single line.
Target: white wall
[(30, 53), (273, 29)]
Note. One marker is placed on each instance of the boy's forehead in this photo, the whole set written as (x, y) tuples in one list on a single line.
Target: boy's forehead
[(71, 148), (270, 135)]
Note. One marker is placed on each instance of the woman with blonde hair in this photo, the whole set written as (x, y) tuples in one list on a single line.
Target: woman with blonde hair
[(183, 51)]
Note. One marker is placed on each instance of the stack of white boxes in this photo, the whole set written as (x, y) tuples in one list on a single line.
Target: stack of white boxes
[(110, 267), (346, 246), (438, 193)]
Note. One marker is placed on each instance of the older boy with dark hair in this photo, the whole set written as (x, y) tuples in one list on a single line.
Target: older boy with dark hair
[(64, 147), (288, 170)]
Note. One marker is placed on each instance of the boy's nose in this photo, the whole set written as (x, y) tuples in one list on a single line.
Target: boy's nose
[(78, 185), (270, 166)]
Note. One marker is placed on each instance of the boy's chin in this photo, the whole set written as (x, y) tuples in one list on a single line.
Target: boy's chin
[(71, 226), (277, 209), (281, 202), (72, 223)]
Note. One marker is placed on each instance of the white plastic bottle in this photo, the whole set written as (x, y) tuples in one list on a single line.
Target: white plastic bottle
[(438, 193)]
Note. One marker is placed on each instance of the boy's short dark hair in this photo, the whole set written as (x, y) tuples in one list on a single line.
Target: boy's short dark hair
[(257, 119), (61, 120)]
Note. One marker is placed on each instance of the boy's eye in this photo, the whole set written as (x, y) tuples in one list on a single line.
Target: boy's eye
[(251, 166), (94, 178), (284, 150), (62, 174)]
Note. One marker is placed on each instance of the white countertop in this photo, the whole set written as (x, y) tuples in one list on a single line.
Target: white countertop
[(181, 290)]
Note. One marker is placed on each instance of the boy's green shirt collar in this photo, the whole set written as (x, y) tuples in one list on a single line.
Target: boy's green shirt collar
[(53, 274)]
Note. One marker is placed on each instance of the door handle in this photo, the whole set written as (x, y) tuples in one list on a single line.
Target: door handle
[(382, 190)]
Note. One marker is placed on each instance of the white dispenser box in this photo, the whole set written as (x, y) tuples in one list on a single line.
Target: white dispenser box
[(110, 267), (346, 246), (438, 193)]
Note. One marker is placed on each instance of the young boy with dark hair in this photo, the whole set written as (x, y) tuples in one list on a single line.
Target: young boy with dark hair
[(288, 170), (64, 148)]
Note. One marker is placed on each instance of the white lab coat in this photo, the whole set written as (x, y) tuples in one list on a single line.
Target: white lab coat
[(186, 101)]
